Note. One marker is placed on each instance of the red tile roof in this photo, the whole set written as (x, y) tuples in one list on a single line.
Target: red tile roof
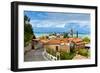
[(54, 41), (59, 41)]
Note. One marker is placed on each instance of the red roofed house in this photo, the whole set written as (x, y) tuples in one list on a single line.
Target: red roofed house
[(63, 44)]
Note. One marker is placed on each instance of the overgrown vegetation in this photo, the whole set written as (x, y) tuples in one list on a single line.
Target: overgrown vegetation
[(86, 39), (66, 56), (50, 51), (65, 35), (28, 31), (54, 34), (63, 55), (84, 52)]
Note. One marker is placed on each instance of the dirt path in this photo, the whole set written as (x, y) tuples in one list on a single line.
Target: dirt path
[(79, 57)]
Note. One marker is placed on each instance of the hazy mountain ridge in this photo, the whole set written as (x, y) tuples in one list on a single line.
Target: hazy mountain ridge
[(76, 27)]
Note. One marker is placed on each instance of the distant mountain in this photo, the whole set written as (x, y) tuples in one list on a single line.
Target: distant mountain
[(78, 27), (49, 29), (75, 26)]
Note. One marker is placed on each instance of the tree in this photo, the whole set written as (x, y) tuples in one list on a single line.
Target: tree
[(77, 34), (71, 32), (86, 39), (28, 30), (65, 35), (26, 19)]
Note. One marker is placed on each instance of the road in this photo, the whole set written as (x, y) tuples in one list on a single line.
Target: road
[(34, 55)]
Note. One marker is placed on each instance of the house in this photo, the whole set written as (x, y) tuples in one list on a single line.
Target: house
[(36, 44), (60, 45), (54, 47), (63, 44), (52, 37), (79, 43)]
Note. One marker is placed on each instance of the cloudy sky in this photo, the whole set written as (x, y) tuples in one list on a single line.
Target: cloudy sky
[(61, 22)]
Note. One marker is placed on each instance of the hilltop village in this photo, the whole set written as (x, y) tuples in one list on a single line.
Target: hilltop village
[(62, 46)]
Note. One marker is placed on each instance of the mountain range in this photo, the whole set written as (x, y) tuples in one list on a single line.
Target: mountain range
[(75, 26)]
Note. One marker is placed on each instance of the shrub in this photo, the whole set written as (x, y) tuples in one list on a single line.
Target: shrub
[(66, 56), (84, 52), (50, 51), (86, 39), (65, 35)]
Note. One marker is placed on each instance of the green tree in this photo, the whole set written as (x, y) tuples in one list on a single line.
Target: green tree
[(65, 35), (66, 56), (77, 34), (84, 52), (28, 30), (86, 39), (71, 32)]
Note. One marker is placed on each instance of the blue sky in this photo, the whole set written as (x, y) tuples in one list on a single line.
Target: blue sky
[(61, 22)]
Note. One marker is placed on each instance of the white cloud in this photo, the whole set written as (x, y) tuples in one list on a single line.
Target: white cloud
[(56, 23), (47, 23), (80, 23)]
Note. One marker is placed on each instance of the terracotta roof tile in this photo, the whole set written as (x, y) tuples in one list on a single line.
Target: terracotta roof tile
[(59, 41), (53, 41)]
